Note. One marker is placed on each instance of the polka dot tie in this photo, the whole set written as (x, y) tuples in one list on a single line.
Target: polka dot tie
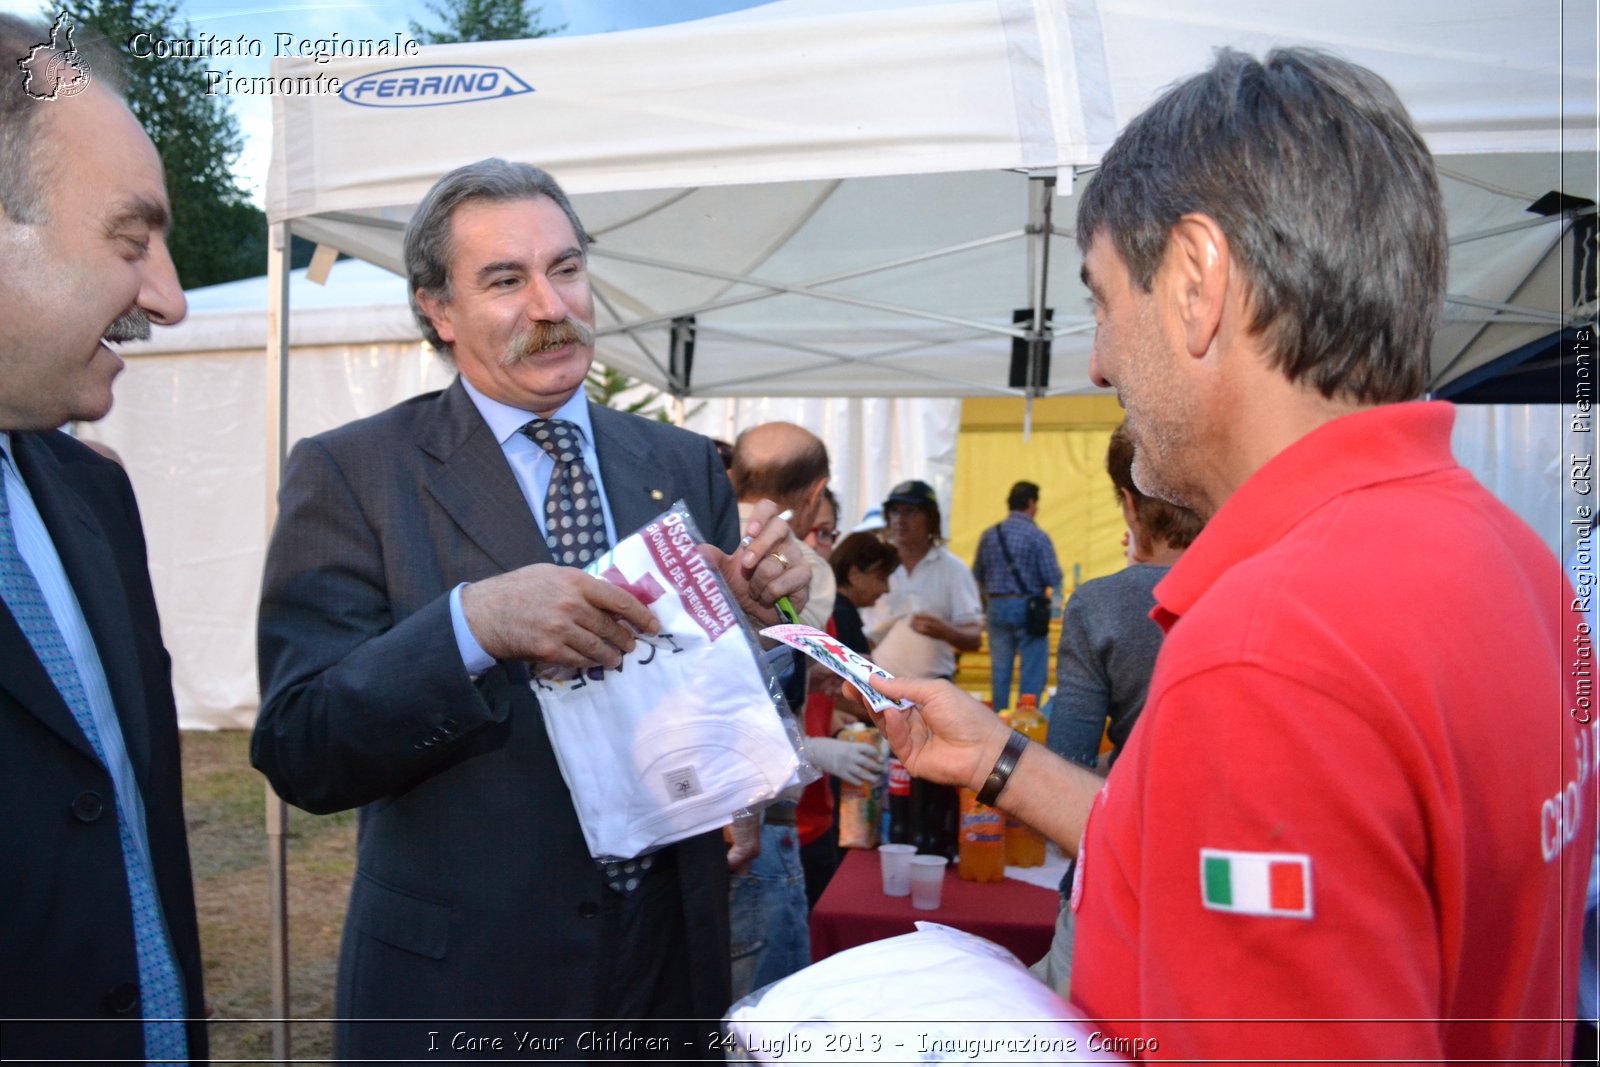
[(160, 992), (574, 525), (575, 530)]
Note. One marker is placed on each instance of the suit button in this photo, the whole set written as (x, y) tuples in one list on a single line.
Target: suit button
[(588, 909), (123, 999), (87, 806)]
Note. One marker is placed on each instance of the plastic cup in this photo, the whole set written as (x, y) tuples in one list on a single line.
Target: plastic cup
[(927, 881), (896, 863)]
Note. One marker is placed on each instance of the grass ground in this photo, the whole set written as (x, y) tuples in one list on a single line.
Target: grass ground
[(225, 806)]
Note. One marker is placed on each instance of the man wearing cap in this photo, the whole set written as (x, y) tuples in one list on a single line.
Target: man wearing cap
[(1016, 563), (931, 593)]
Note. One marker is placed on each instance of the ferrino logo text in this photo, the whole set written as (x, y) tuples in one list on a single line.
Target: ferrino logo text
[(432, 86)]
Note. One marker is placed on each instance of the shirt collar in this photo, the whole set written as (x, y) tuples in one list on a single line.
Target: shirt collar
[(505, 421), (1381, 444)]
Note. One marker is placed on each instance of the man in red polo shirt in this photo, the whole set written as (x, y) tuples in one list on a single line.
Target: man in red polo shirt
[(1356, 818)]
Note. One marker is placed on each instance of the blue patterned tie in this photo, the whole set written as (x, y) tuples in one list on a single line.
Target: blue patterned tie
[(161, 994), (574, 525)]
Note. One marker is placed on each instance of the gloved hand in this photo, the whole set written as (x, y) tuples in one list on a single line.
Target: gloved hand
[(845, 760)]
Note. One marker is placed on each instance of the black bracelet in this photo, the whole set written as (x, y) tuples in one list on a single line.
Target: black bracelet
[(1002, 768)]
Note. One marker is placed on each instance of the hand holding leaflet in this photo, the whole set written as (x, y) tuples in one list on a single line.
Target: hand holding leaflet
[(837, 657)]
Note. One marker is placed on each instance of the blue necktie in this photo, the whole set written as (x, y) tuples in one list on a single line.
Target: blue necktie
[(161, 994)]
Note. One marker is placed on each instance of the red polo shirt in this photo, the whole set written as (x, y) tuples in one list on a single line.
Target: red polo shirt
[(1356, 817)]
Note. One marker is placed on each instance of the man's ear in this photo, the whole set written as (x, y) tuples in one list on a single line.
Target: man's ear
[(438, 312), (1130, 513), (810, 504), (1199, 259)]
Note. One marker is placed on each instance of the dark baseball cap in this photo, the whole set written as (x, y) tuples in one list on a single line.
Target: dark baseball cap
[(913, 492)]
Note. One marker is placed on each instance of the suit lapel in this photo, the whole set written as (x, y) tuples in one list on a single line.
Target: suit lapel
[(473, 483), (86, 556), (638, 487)]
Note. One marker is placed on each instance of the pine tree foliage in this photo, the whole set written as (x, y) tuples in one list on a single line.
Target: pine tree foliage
[(482, 20)]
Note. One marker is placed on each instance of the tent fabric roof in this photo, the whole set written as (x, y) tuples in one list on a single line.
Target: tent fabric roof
[(361, 303), (853, 199)]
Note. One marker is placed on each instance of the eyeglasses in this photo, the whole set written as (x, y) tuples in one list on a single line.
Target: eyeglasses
[(829, 534)]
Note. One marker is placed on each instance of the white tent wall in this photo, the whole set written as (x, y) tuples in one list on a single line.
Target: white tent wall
[(1519, 452), (188, 428)]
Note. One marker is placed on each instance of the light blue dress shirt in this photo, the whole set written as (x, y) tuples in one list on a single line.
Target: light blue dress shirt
[(532, 467), (39, 553)]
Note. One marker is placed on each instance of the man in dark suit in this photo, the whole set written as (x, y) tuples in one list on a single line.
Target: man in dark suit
[(97, 920), (415, 573)]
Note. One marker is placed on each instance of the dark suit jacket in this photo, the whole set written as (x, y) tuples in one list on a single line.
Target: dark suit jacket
[(66, 927), (475, 895)]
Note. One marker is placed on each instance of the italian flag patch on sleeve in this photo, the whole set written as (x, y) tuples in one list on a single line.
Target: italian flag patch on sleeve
[(1274, 884)]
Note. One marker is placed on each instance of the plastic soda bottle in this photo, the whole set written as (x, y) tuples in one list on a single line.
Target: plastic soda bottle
[(983, 846), (897, 803), (1025, 846)]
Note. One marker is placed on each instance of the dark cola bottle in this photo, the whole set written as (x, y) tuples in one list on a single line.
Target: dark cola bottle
[(940, 820), (899, 814)]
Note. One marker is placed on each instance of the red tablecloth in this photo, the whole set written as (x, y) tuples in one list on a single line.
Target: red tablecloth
[(853, 910)]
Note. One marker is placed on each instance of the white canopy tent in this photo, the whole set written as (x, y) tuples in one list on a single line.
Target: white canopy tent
[(819, 198)]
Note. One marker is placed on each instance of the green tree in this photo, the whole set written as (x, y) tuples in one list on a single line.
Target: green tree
[(483, 20), (218, 235), (606, 387)]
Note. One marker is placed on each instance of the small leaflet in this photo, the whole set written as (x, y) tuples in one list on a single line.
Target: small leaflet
[(842, 660)]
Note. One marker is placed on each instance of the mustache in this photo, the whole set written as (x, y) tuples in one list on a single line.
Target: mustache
[(131, 325), (546, 337)]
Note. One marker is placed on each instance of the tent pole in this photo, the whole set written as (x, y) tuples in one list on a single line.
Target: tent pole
[(277, 454), (1043, 190)]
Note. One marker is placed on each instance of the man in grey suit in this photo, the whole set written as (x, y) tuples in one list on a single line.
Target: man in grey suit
[(414, 575)]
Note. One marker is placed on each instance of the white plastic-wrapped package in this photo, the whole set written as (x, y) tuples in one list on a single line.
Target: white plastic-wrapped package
[(934, 996), (684, 733)]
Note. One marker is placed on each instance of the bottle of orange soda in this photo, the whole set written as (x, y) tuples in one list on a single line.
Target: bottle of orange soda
[(1024, 844), (983, 846)]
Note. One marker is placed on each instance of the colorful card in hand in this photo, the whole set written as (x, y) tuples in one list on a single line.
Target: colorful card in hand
[(846, 662)]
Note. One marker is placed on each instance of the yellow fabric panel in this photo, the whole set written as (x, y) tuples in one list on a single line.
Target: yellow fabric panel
[(1065, 455), (1049, 413)]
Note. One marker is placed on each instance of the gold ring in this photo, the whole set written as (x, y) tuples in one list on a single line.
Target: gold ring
[(781, 558)]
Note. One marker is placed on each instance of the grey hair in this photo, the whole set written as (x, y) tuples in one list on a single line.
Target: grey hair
[(427, 242), (1328, 197), (23, 173)]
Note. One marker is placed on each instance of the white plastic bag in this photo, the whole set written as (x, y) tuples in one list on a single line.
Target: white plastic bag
[(684, 733)]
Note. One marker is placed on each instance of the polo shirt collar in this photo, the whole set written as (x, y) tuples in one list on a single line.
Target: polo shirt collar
[(1382, 444)]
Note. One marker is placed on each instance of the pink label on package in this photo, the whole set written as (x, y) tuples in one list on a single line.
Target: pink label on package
[(839, 658), (674, 549)]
